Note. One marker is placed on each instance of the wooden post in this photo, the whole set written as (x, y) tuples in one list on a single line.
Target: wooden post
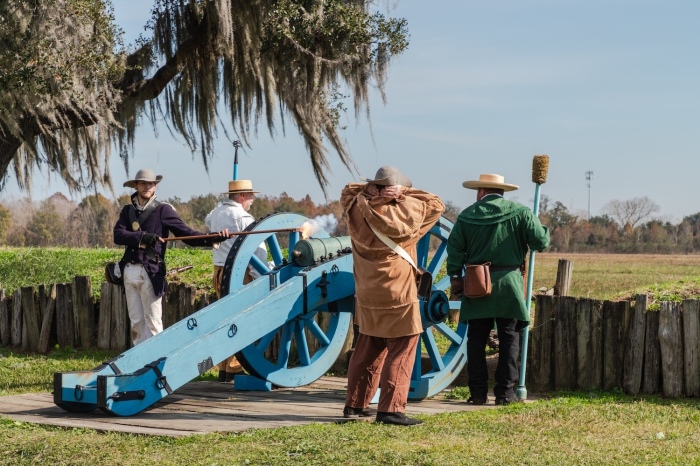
[(563, 283), (615, 319), (171, 304), (634, 352), (651, 375), (564, 359), (589, 347), (539, 368), (691, 346), (65, 323), (83, 311), (119, 320), (4, 320), (671, 344), (105, 317), (16, 331), (47, 320)]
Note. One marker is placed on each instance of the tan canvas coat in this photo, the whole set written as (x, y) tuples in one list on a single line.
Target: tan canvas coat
[(385, 286)]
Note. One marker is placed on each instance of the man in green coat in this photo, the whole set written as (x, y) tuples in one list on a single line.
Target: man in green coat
[(498, 231)]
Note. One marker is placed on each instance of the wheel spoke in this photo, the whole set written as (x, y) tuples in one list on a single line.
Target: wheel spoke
[(285, 345), (449, 333), (302, 344), (422, 249), (275, 250), (318, 333), (293, 239), (432, 350), (259, 265), (265, 341), (438, 259)]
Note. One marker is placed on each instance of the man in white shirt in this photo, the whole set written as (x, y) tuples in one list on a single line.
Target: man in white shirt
[(233, 213)]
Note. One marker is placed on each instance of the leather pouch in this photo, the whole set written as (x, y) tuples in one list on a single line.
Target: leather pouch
[(113, 274), (424, 280), (477, 280)]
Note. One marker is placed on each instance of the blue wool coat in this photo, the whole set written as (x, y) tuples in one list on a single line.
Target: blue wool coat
[(162, 221)]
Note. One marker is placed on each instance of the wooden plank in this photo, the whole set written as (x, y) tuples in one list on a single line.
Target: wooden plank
[(615, 318), (651, 375), (4, 320), (120, 324), (691, 346), (186, 298), (65, 323), (539, 369), (83, 312), (634, 351), (47, 322), (671, 344), (171, 304), (564, 358), (16, 330), (589, 344), (105, 317)]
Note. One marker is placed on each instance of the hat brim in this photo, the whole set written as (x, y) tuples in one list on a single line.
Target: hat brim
[(386, 182), (132, 183), (242, 191), (485, 184)]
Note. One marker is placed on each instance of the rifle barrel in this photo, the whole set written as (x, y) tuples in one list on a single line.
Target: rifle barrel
[(231, 234)]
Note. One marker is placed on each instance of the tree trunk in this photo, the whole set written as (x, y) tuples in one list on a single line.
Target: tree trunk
[(8, 149)]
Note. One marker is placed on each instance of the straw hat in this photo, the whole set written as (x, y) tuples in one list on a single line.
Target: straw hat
[(145, 174), (389, 176), (240, 186), (490, 181)]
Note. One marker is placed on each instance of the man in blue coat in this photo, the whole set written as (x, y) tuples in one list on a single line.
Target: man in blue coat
[(141, 227), (501, 232)]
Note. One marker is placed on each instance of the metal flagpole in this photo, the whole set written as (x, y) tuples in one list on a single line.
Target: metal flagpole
[(236, 144)]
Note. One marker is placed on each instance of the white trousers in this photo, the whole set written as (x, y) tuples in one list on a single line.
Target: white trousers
[(145, 308)]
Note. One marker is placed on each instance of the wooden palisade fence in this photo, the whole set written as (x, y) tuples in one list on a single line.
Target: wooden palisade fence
[(575, 343), (67, 315), (582, 344)]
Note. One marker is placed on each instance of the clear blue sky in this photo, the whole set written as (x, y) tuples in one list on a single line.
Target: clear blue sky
[(611, 87)]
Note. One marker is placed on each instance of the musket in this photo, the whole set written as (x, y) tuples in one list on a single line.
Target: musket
[(231, 234)]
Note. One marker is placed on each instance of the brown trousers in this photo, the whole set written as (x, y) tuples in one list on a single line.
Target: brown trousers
[(230, 364), (385, 362)]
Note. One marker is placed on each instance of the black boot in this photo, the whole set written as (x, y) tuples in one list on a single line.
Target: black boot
[(397, 419), (357, 413)]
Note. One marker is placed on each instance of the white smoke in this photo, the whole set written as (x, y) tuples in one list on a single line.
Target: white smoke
[(323, 222)]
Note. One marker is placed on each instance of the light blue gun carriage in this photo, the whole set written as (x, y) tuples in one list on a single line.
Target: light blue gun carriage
[(307, 299)]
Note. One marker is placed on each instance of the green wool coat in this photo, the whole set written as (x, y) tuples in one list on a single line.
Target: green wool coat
[(498, 231)]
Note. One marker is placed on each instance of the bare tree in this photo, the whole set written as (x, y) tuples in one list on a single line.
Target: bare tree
[(70, 91), (631, 211)]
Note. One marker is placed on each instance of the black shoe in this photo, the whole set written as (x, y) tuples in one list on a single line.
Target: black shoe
[(397, 419), (357, 413), (477, 401), (222, 376), (502, 401)]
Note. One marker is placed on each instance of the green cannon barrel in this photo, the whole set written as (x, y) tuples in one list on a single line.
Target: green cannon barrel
[(319, 249)]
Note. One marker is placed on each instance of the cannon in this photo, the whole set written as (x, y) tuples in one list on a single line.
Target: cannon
[(287, 327)]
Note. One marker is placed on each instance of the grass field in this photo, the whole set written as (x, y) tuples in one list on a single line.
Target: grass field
[(567, 428)]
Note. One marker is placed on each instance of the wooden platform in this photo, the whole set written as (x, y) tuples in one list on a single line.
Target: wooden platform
[(202, 407)]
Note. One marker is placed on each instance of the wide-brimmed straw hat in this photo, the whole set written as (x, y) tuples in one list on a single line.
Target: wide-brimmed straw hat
[(490, 181), (240, 186), (145, 174), (389, 176)]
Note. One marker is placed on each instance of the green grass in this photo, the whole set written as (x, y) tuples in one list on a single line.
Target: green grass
[(34, 266), (568, 429)]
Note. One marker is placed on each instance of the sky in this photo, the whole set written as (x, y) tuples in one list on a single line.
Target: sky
[(610, 87)]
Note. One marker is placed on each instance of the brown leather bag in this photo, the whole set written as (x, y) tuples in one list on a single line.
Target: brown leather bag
[(477, 280)]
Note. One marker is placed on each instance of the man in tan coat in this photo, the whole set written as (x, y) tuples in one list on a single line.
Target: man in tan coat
[(387, 307)]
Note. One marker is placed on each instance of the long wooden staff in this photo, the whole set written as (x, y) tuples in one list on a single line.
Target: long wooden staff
[(231, 234), (540, 166)]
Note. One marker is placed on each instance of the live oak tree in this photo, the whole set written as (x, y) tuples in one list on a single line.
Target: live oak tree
[(70, 91)]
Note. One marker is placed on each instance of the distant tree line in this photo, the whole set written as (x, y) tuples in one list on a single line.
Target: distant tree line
[(624, 227)]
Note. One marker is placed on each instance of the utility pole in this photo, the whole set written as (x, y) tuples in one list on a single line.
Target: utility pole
[(589, 175)]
